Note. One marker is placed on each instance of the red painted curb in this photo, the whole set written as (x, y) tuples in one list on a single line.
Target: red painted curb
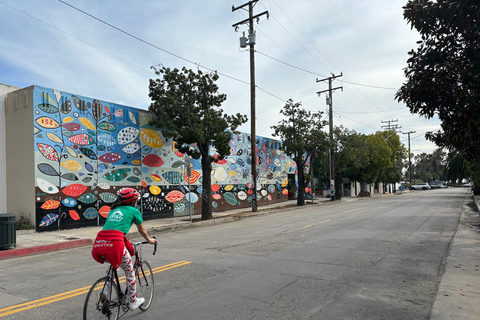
[(12, 253)]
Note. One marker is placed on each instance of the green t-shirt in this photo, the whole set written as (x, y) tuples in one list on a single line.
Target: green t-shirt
[(121, 218)]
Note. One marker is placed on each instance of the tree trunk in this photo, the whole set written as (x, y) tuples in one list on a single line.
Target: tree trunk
[(363, 191), (301, 184), (206, 184)]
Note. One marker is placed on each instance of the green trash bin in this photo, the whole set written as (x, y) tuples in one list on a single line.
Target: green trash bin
[(8, 234)]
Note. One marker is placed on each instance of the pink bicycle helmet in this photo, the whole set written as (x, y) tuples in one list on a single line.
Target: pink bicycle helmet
[(128, 195)]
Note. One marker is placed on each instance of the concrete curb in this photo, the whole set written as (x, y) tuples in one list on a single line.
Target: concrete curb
[(45, 248)]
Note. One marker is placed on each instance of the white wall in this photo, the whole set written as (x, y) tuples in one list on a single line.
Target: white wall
[(4, 89)]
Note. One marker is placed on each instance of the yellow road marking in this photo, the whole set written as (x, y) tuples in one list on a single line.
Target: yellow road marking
[(354, 213), (73, 293)]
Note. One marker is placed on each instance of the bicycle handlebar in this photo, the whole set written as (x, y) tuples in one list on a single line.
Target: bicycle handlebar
[(145, 242)]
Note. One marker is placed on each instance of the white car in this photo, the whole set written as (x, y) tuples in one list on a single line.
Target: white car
[(420, 186)]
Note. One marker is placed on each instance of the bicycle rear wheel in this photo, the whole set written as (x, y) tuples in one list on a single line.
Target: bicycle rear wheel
[(145, 284), (102, 303)]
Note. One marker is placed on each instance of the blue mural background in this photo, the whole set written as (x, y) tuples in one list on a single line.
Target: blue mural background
[(87, 149)]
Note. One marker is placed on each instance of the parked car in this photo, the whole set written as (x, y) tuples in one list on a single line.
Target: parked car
[(437, 185), (420, 186)]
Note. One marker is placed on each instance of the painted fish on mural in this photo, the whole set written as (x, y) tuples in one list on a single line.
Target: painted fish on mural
[(155, 177), (107, 126), (132, 117), (71, 165), (152, 160), (133, 179), (118, 113), (180, 207), (47, 123), (90, 213), (97, 109), (155, 190), (80, 104), (66, 107), (174, 196), (117, 174), (110, 157), (71, 126), (89, 167), (108, 197), (74, 190), (50, 204), (53, 137), (104, 211), (82, 139), (47, 108), (69, 202), (106, 139), (86, 123), (89, 153), (131, 148), (69, 176), (87, 198), (74, 215), (230, 198), (103, 185), (47, 169), (173, 177), (194, 176), (46, 186), (151, 138), (127, 135), (48, 219)]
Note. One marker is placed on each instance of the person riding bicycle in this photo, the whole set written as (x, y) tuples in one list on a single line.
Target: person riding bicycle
[(112, 245)]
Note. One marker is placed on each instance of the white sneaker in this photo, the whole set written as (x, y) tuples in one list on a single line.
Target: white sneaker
[(137, 303)]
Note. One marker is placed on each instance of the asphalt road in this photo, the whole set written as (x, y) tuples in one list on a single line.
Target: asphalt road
[(379, 258)]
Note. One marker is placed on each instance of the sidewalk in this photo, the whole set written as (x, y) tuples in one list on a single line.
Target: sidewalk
[(32, 242)]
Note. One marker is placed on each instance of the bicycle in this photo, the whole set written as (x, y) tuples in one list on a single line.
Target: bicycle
[(106, 297)]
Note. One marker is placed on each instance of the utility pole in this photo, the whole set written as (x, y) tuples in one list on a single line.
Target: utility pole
[(409, 155), (330, 117), (243, 44), (391, 127)]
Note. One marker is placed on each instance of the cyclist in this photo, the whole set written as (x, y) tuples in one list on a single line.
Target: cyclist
[(112, 245)]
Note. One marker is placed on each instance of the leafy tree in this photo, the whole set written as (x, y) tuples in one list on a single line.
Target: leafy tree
[(443, 73), (398, 153), (456, 168), (302, 137), (429, 166), (186, 106), (371, 157)]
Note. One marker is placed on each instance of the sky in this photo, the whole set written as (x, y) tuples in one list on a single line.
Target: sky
[(105, 50)]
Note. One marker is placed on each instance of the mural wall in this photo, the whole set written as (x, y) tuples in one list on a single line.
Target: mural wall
[(86, 149)]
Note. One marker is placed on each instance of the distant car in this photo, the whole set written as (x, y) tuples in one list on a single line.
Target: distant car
[(420, 186), (437, 186)]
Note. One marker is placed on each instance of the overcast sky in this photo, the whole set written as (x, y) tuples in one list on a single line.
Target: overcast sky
[(54, 45)]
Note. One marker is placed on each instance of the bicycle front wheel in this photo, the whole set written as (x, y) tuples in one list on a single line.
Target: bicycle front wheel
[(102, 302), (145, 284)]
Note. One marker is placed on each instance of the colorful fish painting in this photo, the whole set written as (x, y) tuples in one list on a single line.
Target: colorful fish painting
[(69, 202), (118, 113), (230, 198), (74, 190), (69, 176), (48, 219), (71, 165), (152, 160), (87, 123), (53, 137), (47, 123), (127, 135), (194, 176), (117, 174), (131, 148), (90, 213), (151, 138), (89, 153), (82, 139), (108, 197), (107, 126), (155, 190), (66, 107), (173, 177), (48, 151), (71, 126), (46, 186), (106, 139), (104, 211), (174, 196), (47, 108), (74, 215), (156, 177), (47, 169), (50, 204), (110, 157), (87, 198)]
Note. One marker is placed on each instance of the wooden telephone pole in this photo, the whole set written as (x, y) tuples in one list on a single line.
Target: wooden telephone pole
[(330, 117), (251, 43)]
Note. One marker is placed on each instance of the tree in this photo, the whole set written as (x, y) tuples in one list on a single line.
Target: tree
[(443, 73), (398, 152), (371, 157), (302, 137), (430, 166), (186, 106)]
